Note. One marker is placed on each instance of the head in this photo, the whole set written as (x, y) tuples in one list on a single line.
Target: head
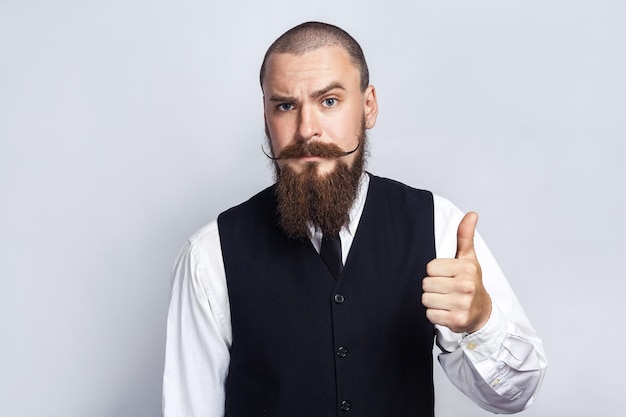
[(317, 106), (313, 35)]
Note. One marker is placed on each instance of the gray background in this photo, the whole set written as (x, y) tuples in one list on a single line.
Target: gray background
[(126, 125)]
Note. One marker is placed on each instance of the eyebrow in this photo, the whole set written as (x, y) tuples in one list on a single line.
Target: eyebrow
[(315, 94)]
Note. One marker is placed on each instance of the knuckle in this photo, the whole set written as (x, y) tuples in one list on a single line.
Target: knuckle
[(429, 267), (430, 315), (427, 300), (460, 320), (470, 268), (466, 287)]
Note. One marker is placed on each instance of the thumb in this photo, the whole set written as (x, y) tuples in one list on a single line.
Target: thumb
[(465, 236)]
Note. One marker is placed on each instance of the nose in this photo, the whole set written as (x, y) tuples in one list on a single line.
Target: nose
[(308, 124)]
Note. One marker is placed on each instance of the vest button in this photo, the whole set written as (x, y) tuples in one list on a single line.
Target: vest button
[(342, 352), (345, 406), (339, 298)]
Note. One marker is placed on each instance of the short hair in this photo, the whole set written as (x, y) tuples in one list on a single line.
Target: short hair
[(313, 35)]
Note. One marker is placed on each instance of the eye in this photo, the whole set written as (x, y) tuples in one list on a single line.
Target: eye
[(285, 106), (329, 102)]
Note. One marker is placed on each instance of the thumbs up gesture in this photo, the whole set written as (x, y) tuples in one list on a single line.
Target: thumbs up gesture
[(454, 295)]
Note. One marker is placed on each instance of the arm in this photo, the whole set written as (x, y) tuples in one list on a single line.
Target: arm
[(198, 330), (501, 365)]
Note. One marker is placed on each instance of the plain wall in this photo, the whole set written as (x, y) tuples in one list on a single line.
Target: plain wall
[(127, 125)]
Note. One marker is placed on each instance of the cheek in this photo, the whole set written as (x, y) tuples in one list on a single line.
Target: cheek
[(344, 131), (278, 130), (275, 136)]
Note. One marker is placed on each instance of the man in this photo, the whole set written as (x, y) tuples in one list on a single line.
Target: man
[(322, 295)]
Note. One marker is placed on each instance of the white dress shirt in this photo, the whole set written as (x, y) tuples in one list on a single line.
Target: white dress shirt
[(500, 367)]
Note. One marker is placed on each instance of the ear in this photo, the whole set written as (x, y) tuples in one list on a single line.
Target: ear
[(264, 110), (370, 105)]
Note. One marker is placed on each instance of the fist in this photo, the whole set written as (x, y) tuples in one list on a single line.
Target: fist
[(454, 295)]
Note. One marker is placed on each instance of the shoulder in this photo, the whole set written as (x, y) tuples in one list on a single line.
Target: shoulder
[(206, 240), (445, 209), (199, 250), (395, 191), (208, 235), (394, 185), (265, 198), (204, 236)]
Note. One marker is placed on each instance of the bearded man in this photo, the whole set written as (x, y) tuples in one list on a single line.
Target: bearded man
[(323, 294)]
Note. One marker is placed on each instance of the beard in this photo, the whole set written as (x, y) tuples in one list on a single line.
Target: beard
[(309, 198)]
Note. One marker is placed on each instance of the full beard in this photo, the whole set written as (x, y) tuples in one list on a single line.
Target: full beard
[(324, 201)]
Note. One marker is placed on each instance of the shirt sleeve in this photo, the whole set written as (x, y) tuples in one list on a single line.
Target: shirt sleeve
[(501, 366), (198, 330)]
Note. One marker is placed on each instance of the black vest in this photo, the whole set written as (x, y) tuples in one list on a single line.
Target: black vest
[(307, 345)]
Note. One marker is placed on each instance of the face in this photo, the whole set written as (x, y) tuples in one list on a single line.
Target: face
[(316, 96)]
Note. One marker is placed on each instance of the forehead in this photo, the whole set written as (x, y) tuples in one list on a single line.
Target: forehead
[(316, 67)]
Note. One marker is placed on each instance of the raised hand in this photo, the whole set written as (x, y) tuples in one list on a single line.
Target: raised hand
[(454, 295)]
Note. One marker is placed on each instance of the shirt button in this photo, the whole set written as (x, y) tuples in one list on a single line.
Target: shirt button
[(339, 298), (345, 405), (471, 345), (342, 352)]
